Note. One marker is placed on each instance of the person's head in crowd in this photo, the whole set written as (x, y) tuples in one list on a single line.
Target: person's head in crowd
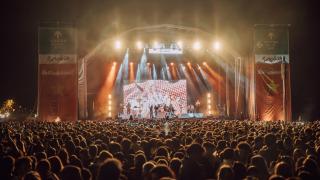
[(71, 172), (252, 171), (276, 177), (162, 151), (110, 169), (41, 155), (86, 174), (244, 152), (225, 173), (270, 140), (93, 151), (7, 167), (305, 175), (146, 169), (56, 164), (209, 148), (64, 156), (104, 155), (22, 166), (240, 170), (74, 160), (283, 169), (32, 175), (114, 147), (195, 152), (139, 160), (162, 161), (161, 171), (44, 168), (311, 166), (175, 165)]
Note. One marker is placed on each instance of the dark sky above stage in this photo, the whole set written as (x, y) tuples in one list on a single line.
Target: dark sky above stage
[(98, 19)]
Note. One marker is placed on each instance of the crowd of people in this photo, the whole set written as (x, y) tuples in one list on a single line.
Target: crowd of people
[(190, 149)]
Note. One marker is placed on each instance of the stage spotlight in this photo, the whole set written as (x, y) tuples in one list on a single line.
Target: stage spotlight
[(189, 63), (216, 45), (209, 101), (139, 45), (196, 45), (209, 95), (131, 63), (172, 64), (114, 63), (117, 44), (109, 96), (204, 63), (148, 64), (180, 44), (155, 44)]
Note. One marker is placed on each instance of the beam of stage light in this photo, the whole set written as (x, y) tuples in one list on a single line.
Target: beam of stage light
[(126, 65), (106, 88), (181, 67), (143, 66), (213, 73), (163, 76), (131, 72), (199, 82), (165, 66), (205, 78), (173, 71), (190, 81), (138, 73), (154, 72), (119, 78)]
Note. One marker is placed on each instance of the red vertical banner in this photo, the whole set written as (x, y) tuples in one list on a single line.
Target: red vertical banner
[(272, 73), (57, 74)]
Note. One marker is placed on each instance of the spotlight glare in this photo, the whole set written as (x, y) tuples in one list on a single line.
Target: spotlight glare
[(189, 63), (114, 63), (204, 63), (139, 45), (180, 44), (172, 64), (216, 45), (148, 64), (196, 45), (117, 44), (209, 95), (131, 63), (155, 44)]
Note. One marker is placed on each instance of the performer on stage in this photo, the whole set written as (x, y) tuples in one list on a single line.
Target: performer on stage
[(151, 111), (197, 106), (156, 108), (128, 108)]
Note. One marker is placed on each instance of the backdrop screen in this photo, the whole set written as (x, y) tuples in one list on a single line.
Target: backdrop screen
[(142, 95)]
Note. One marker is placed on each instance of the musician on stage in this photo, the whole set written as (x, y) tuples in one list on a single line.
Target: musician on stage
[(151, 111), (197, 106), (128, 108)]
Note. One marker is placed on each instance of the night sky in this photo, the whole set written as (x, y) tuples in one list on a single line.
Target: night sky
[(98, 19)]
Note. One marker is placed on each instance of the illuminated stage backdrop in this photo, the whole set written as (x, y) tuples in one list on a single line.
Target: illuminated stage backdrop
[(153, 92)]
